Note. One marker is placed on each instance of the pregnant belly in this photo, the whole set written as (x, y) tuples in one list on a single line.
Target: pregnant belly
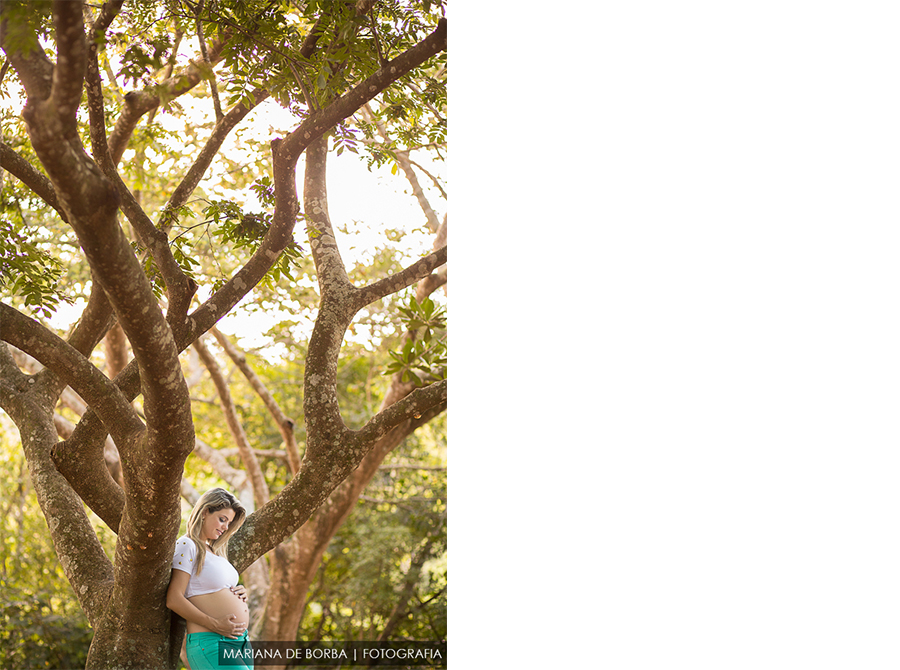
[(218, 605)]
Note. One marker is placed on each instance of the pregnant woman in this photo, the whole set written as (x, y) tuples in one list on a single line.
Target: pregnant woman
[(201, 589)]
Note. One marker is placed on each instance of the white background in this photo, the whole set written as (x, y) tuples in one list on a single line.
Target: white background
[(675, 294)]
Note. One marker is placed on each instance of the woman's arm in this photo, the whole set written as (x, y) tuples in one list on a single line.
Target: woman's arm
[(176, 602)]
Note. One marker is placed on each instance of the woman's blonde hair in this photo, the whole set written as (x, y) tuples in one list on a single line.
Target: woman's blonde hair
[(214, 500)]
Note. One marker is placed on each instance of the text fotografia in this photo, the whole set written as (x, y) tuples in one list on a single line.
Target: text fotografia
[(337, 654)]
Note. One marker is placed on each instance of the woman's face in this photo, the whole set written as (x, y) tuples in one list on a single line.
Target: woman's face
[(215, 524)]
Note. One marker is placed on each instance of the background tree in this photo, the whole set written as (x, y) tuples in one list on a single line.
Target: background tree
[(323, 63)]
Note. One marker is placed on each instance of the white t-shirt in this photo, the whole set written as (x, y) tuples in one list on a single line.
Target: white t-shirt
[(217, 573)]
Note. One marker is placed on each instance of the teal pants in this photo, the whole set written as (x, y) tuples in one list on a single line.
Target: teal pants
[(203, 651)]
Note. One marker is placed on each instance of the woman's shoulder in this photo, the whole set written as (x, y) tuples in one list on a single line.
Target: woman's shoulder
[(185, 553)]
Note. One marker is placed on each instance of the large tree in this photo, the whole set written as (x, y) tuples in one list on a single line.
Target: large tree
[(327, 63)]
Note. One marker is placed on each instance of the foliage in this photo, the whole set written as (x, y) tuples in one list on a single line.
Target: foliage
[(33, 636), (30, 264), (423, 358), (27, 270), (402, 514)]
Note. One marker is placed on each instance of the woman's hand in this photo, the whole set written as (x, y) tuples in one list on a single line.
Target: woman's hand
[(240, 592), (227, 626), (176, 601)]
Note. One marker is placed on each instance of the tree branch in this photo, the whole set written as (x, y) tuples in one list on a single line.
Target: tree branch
[(71, 366), (412, 406), (87, 466), (211, 79), (10, 373), (216, 459), (400, 280), (260, 489), (82, 558), (330, 269), (108, 12), (96, 319), (94, 90), (111, 459), (285, 425), (84, 447), (205, 158), (318, 477), (320, 121), (138, 103), (35, 70), (71, 62), (276, 239), (417, 562), (179, 287), (406, 165), (17, 166)]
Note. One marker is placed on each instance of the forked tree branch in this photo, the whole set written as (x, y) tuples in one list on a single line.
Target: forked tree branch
[(321, 121), (76, 370), (138, 103), (332, 450), (209, 151), (406, 165), (318, 477), (285, 424)]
